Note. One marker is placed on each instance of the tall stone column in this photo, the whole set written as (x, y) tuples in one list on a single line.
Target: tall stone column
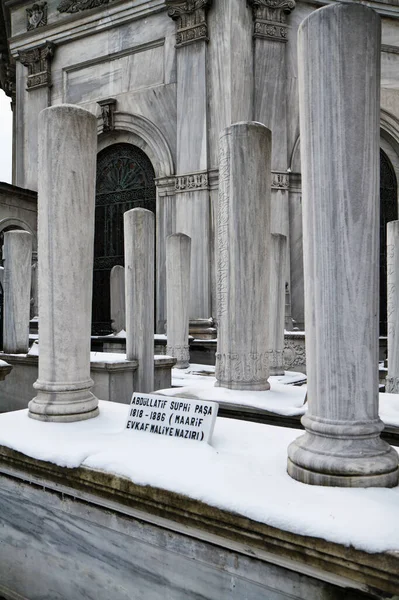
[(178, 259), (339, 78), (270, 33), (278, 253), (192, 185), (117, 294), (243, 255), (139, 232), (66, 201), (392, 380), (17, 282)]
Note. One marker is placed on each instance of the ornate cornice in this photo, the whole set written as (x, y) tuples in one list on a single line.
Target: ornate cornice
[(270, 18), (38, 61), (190, 16), (36, 16), (74, 6)]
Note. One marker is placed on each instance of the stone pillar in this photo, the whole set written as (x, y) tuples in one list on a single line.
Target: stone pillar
[(17, 280), (339, 78), (243, 255), (66, 202), (392, 380), (117, 293), (139, 232), (278, 253), (192, 185), (178, 257)]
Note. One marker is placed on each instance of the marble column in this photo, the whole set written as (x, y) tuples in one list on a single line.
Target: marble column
[(178, 259), (339, 78), (278, 253), (117, 285), (243, 255), (139, 232), (392, 380), (17, 282), (66, 202), (192, 185)]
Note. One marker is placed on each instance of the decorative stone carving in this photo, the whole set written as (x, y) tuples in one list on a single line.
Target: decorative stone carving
[(190, 16), (294, 354), (74, 6), (392, 380), (247, 368), (195, 181), (7, 75), (108, 108), (38, 61), (270, 17), (280, 180), (36, 16)]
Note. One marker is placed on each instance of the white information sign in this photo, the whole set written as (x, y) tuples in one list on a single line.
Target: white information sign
[(173, 417)]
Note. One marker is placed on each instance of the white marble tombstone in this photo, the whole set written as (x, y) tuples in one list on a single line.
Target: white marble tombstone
[(139, 231), (339, 77), (392, 380), (278, 257), (66, 202), (243, 254), (178, 259), (117, 289), (17, 283)]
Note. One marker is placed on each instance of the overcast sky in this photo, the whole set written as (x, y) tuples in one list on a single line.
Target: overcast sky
[(5, 138)]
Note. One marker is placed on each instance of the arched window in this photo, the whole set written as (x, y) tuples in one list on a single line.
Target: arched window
[(388, 212), (125, 180)]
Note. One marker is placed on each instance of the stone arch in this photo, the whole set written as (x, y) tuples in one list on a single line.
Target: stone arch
[(141, 132)]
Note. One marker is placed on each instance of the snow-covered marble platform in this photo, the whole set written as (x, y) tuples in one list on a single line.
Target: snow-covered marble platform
[(243, 472)]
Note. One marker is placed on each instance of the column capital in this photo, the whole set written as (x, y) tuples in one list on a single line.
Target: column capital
[(38, 61), (270, 17), (7, 76), (190, 16)]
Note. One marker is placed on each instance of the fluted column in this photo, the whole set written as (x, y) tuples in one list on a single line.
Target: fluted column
[(339, 78), (139, 232), (178, 259), (392, 380), (243, 255), (66, 202), (17, 283)]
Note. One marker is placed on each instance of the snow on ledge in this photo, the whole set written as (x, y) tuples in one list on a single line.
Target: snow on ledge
[(244, 471)]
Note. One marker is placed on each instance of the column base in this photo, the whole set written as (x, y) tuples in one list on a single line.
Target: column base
[(343, 455), (181, 354), (64, 406)]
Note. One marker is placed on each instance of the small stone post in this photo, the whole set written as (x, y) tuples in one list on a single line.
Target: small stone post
[(178, 257), (17, 281), (277, 302), (139, 289), (392, 380), (243, 255), (66, 201), (339, 77), (118, 312)]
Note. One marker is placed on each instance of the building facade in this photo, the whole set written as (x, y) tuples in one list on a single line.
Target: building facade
[(164, 78)]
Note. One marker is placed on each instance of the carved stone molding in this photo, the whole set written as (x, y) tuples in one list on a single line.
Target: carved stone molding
[(7, 76), (36, 16), (108, 108), (270, 18), (280, 180), (74, 6), (190, 16), (241, 369), (38, 61), (194, 181)]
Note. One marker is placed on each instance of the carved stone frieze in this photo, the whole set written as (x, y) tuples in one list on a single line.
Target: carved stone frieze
[(38, 61), (280, 180), (74, 6), (270, 18), (36, 15), (194, 181), (190, 16), (108, 108), (294, 353)]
